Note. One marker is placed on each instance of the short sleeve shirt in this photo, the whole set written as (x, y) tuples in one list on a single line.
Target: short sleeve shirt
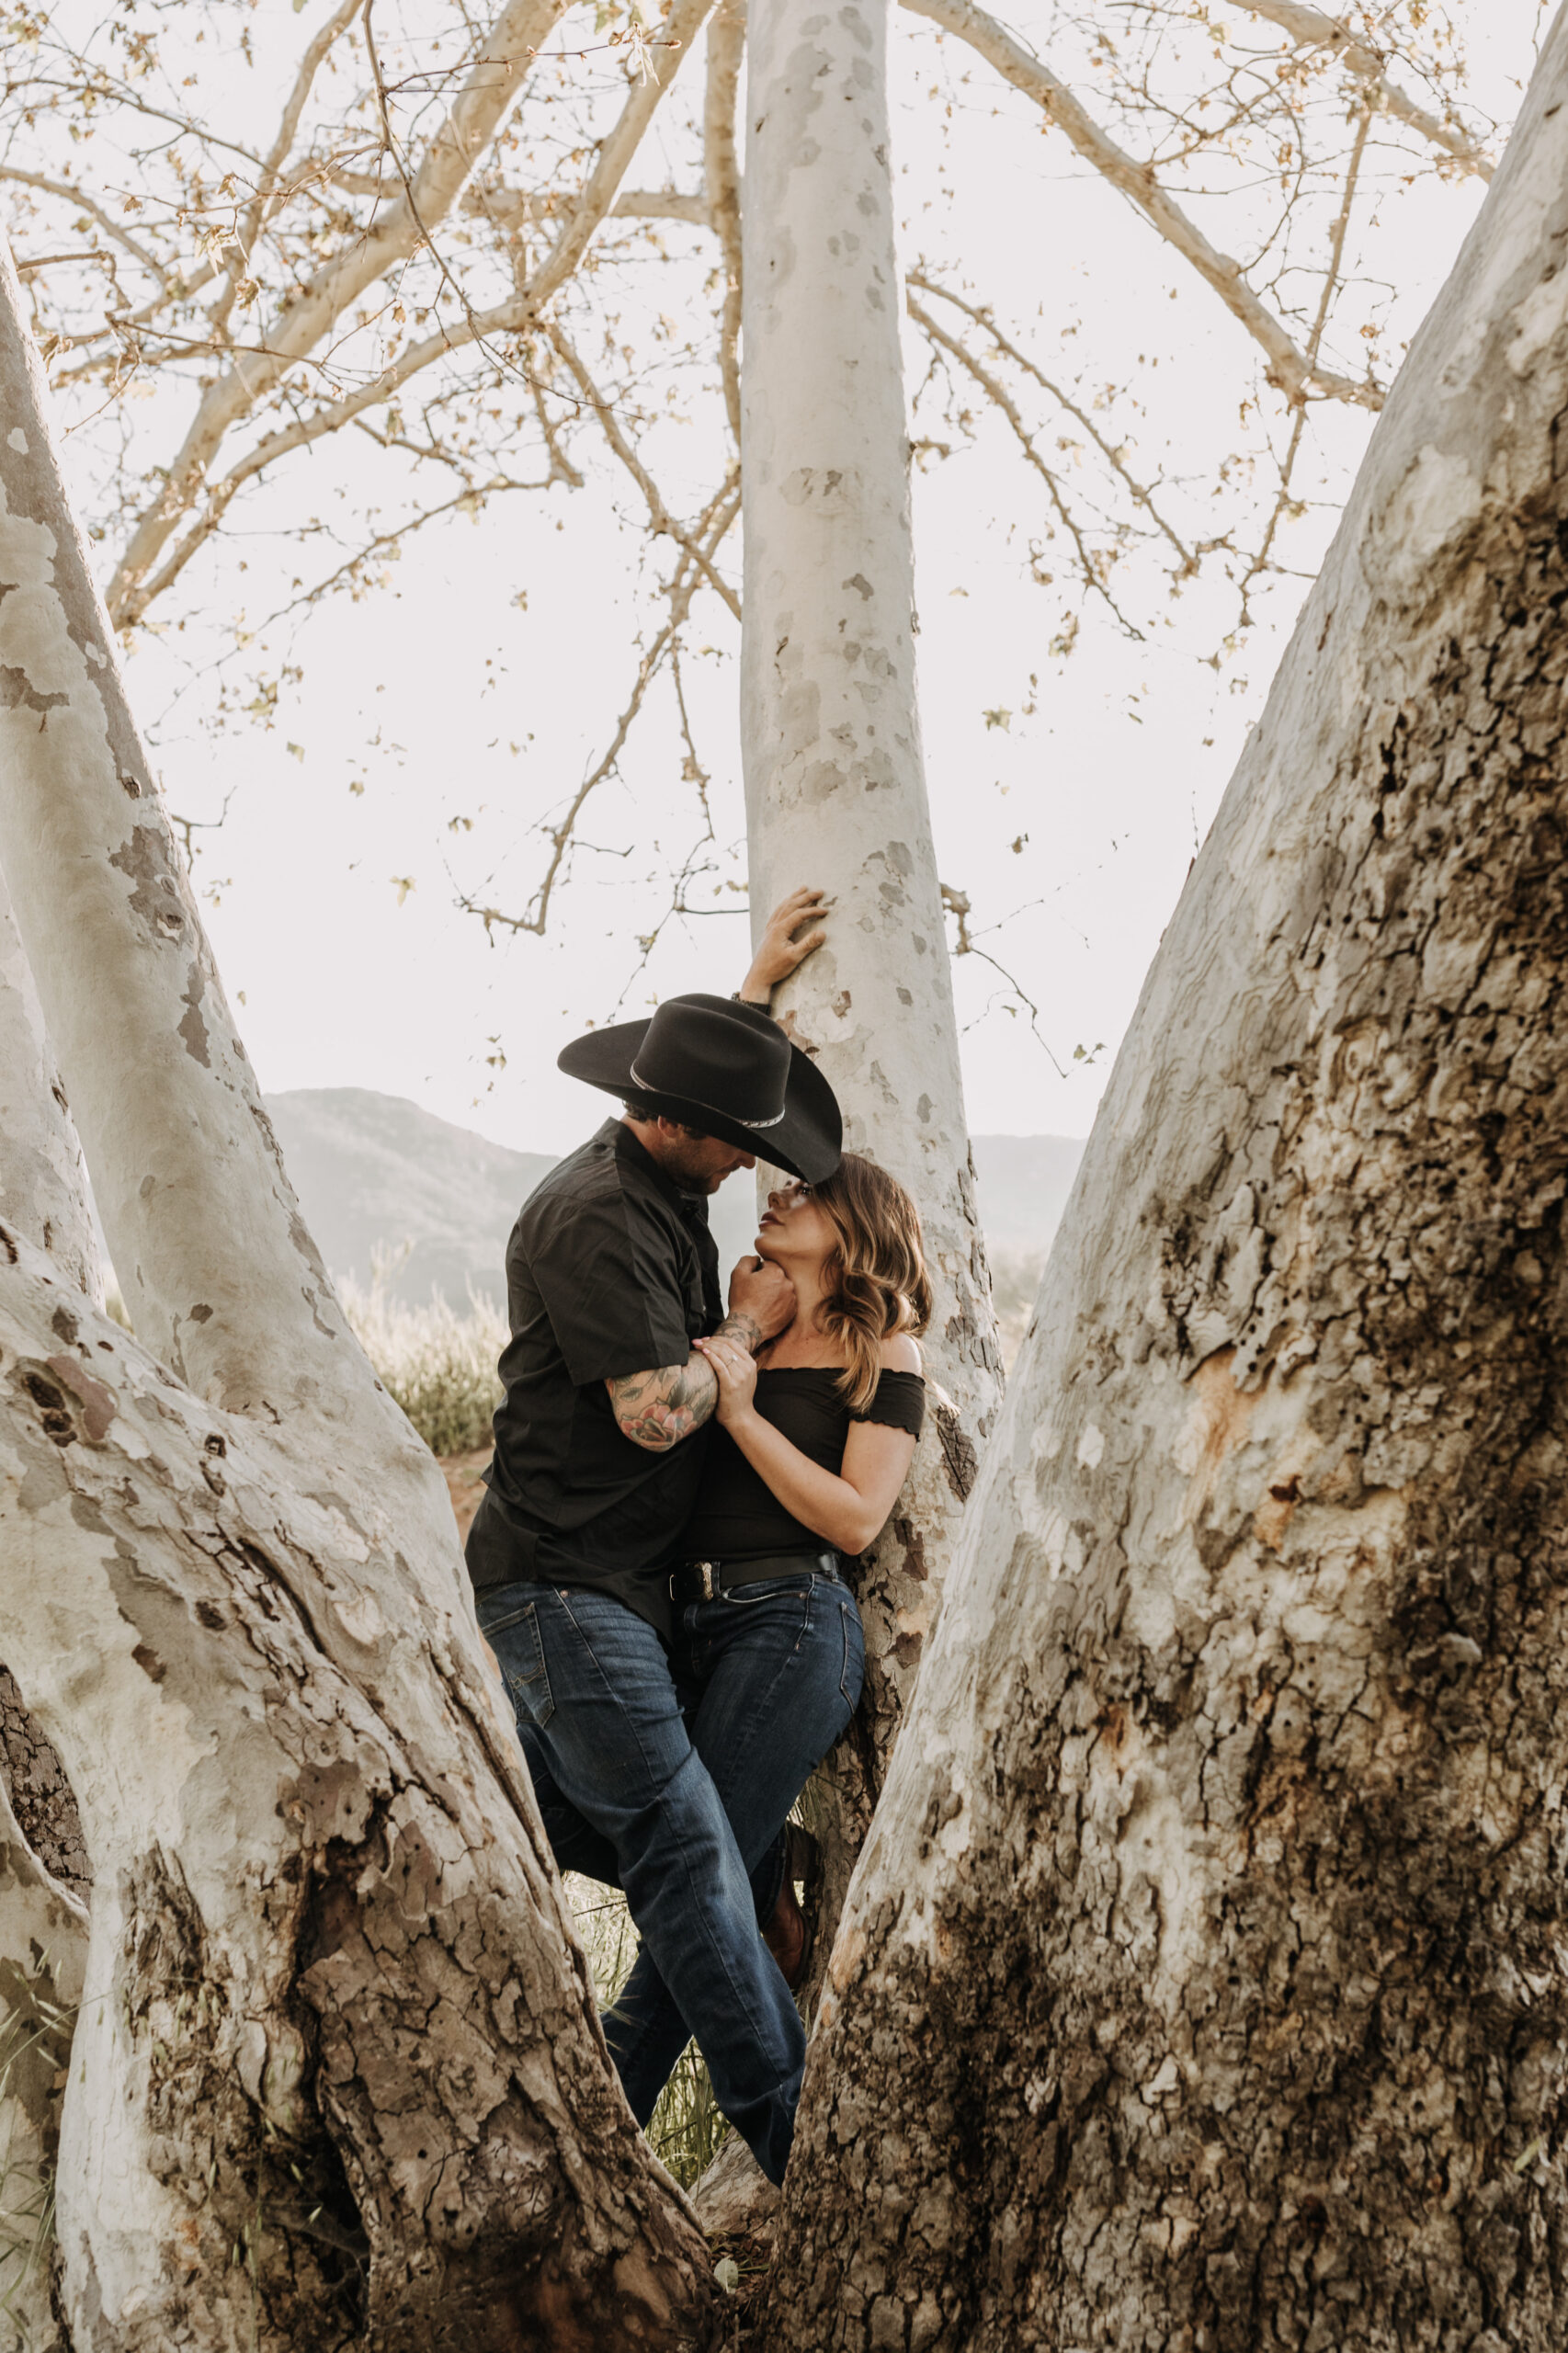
[(610, 1269)]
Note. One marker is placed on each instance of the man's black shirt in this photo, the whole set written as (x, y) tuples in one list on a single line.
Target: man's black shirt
[(610, 1270)]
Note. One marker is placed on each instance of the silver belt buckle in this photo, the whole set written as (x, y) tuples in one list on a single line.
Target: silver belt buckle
[(708, 1585)]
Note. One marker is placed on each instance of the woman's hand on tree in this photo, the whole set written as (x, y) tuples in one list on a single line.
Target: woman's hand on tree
[(735, 1368), (778, 952)]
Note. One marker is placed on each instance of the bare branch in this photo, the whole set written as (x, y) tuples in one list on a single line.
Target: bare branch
[(87, 204), (1325, 303), (516, 208), (681, 27), (957, 904), (663, 204), (1289, 370), (721, 174), (1310, 28), (266, 183), (659, 513), (465, 501), (996, 394), (1112, 457), (493, 87), (715, 522)]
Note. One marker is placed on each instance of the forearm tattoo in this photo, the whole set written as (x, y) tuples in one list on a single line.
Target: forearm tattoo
[(657, 1409)]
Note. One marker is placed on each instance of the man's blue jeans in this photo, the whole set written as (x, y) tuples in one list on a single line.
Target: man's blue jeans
[(671, 1776)]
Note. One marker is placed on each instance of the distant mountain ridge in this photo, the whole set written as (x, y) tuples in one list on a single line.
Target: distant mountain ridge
[(376, 1171)]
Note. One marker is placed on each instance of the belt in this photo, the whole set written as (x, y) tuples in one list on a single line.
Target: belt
[(706, 1580)]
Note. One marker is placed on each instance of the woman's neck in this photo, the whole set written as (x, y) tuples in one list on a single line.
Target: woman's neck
[(802, 1341)]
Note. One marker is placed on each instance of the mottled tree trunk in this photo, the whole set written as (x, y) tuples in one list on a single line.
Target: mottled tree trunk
[(1204, 1984), (337, 2078), (43, 1953), (835, 783)]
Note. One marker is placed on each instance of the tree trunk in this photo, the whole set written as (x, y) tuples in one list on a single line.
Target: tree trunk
[(338, 2077), (43, 1950), (834, 778), (1204, 1984)]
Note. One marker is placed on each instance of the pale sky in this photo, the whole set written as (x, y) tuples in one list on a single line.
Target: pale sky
[(1106, 771)]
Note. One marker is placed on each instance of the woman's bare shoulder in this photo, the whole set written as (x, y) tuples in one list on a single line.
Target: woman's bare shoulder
[(902, 1354)]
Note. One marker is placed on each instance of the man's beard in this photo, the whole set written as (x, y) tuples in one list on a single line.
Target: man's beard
[(690, 1172)]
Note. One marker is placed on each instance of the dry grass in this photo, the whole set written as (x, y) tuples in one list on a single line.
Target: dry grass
[(685, 2128), (438, 1361)]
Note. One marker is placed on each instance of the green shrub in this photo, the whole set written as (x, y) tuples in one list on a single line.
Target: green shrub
[(439, 1364)]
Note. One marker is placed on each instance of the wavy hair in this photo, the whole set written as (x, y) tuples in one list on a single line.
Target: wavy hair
[(874, 1283)]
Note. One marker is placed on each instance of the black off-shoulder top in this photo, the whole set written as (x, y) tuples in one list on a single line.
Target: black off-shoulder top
[(738, 1516)]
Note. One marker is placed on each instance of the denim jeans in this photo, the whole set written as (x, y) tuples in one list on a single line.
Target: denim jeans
[(671, 1776)]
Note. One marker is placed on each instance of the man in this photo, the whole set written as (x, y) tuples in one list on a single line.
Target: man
[(612, 1273)]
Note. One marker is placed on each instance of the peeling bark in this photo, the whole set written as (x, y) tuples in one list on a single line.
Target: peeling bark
[(1204, 1984), (44, 1186), (338, 2077), (41, 1797), (43, 1942), (835, 772)]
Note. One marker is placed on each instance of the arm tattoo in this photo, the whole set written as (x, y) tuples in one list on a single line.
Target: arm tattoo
[(657, 1409)]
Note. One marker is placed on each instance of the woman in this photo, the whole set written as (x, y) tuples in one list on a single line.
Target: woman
[(814, 1440)]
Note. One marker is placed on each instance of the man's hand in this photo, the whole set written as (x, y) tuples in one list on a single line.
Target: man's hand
[(762, 1302), (778, 952)]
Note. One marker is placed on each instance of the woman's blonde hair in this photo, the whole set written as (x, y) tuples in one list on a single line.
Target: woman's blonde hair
[(874, 1283)]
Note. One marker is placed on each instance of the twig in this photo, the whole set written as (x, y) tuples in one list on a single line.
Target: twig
[(982, 318), (957, 904), (719, 515), (1310, 28), (1331, 281), (1289, 369), (999, 395), (659, 513)]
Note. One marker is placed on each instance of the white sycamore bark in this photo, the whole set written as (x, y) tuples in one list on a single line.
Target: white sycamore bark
[(43, 1927), (836, 786), (339, 2077), (1204, 1983)]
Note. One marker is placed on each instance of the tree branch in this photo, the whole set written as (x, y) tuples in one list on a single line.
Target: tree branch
[(681, 27), (1142, 497), (492, 86), (89, 205), (1289, 370), (718, 519), (659, 513), (1325, 302), (278, 156), (722, 177), (1310, 28), (996, 394)]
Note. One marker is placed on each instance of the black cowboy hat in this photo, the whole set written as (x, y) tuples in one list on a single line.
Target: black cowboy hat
[(726, 1068)]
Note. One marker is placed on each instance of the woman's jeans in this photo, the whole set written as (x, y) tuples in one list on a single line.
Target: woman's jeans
[(670, 1774)]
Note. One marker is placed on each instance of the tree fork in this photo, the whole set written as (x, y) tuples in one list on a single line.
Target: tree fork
[(1202, 1984)]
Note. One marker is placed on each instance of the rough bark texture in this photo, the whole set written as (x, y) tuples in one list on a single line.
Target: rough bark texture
[(41, 1798), (338, 2077), (1204, 1984), (43, 1950), (835, 775)]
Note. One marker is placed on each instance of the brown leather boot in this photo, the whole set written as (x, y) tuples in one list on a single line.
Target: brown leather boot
[(787, 1935)]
